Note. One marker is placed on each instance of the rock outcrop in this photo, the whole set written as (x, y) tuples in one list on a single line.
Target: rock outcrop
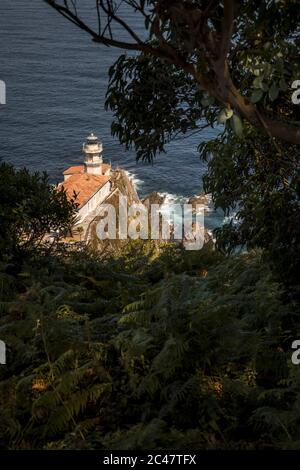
[(153, 198), (123, 183), (122, 186)]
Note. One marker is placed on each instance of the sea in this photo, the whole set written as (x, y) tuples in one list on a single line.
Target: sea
[(56, 80)]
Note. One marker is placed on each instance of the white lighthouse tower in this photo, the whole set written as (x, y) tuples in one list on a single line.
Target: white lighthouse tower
[(92, 150)]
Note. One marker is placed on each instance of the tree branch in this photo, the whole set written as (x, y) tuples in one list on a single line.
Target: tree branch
[(217, 81), (227, 29), (111, 14), (99, 38)]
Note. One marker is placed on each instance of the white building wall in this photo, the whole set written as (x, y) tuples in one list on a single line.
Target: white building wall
[(94, 169), (94, 201)]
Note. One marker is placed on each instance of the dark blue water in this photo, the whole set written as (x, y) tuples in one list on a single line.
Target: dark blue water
[(56, 81)]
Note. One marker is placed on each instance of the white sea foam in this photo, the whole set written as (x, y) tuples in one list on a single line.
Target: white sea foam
[(137, 183), (207, 202), (170, 198)]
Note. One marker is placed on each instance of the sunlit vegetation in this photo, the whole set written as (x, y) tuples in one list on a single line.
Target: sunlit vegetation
[(153, 349)]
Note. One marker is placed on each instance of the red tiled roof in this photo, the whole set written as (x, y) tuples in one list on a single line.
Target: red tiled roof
[(84, 185), (74, 169)]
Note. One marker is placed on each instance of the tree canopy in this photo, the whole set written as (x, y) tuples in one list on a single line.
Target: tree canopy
[(30, 208), (242, 55)]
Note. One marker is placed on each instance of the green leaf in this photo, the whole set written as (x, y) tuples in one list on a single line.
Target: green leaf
[(273, 92), (224, 115), (257, 82), (256, 96), (283, 85), (237, 125)]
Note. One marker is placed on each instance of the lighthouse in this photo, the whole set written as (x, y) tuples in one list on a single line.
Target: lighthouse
[(92, 150), (91, 182)]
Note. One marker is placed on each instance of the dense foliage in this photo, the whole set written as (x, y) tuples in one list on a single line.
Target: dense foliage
[(151, 349), (257, 184), (30, 208)]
